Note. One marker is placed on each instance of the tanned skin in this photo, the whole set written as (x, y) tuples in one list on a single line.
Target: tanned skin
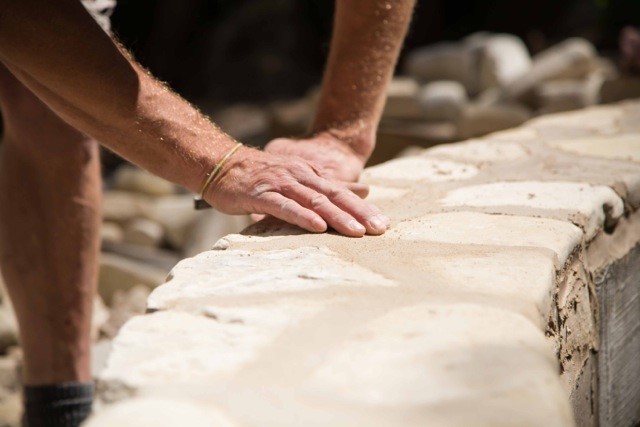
[(64, 78)]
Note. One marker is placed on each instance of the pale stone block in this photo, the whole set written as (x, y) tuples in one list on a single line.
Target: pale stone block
[(504, 58), (474, 228), (599, 120), (111, 232), (123, 206), (169, 347), (378, 193), (478, 120), (621, 147), (159, 412), (176, 215), (522, 275), (241, 272), (143, 232), (442, 100), (570, 59), (130, 178), (479, 151), (122, 273), (450, 361), (596, 204), (442, 61), (420, 169), (566, 95), (210, 227), (402, 99)]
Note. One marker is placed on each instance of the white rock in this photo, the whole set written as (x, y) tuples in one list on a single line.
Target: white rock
[(125, 305), (122, 273), (602, 120), (442, 100), (111, 232), (130, 178), (570, 59), (378, 193), (492, 273), (99, 317), (159, 412), (420, 169), (211, 227), (450, 361), (477, 120), (622, 147), (589, 201), (473, 228), (241, 272), (123, 206), (479, 151), (402, 99), (442, 61), (176, 215), (564, 95), (177, 347), (504, 59), (143, 232)]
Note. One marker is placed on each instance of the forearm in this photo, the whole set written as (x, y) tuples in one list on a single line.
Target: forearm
[(367, 39), (65, 59)]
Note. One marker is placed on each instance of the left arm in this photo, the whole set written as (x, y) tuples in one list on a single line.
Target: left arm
[(366, 41)]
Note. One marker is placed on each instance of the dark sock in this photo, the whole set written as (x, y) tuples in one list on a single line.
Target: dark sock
[(57, 405)]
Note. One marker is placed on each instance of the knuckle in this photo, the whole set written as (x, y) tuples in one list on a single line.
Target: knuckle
[(318, 200)]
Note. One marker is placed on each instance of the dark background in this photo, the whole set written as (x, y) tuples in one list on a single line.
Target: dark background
[(218, 52)]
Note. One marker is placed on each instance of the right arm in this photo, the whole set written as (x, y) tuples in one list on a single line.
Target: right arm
[(61, 54)]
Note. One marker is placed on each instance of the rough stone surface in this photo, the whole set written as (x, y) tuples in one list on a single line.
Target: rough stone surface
[(505, 293), (504, 58)]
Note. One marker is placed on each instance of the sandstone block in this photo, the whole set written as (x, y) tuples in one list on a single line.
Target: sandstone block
[(241, 272), (479, 151), (474, 228), (120, 273), (111, 232), (143, 232), (564, 95), (442, 61), (592, 207), (211, 227), (125, 304), (402, 99), (420, 169), (159, 412), (176, 215), (503, 59), (621, 147), (442, 100), (123, 206), (570, 59), (477, 120), (133, 179)]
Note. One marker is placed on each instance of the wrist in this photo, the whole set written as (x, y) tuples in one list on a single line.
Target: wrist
[(359, 138)]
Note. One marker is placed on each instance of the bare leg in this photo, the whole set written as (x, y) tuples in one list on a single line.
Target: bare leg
[(50, 192)]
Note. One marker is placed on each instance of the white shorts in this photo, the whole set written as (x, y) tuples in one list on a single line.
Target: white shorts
[(101, 11)]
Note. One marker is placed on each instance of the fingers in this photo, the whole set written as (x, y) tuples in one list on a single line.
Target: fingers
[(358, 188), (289, 210), (366, 214)]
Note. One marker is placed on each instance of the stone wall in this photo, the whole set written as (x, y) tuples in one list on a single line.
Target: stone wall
[(505, 293)]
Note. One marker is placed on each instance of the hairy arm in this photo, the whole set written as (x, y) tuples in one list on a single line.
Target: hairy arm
[(61, 54), (366, 41)]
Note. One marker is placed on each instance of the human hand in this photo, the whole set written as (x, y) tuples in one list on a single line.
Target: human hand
[(331, 157), (292, 189)]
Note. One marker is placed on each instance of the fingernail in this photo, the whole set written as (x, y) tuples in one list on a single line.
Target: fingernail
[(377, 223), (380, 222), (319, 224), (356, 226)]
